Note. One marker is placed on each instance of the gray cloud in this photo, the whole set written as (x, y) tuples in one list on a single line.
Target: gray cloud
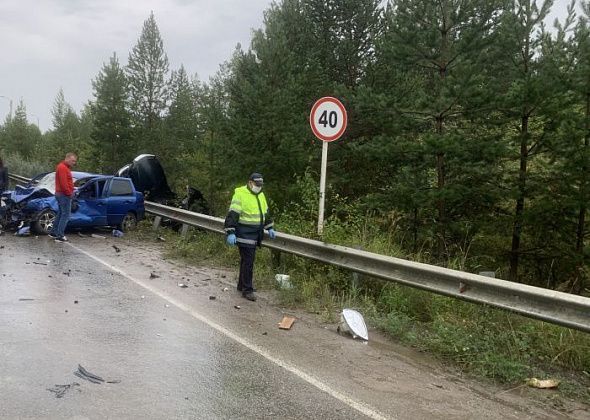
[(48, 45)]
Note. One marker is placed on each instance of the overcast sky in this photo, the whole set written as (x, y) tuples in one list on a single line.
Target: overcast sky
[(51, 44)]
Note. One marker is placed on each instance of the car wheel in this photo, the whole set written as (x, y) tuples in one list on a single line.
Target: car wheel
[(43, 222), (129, 222)]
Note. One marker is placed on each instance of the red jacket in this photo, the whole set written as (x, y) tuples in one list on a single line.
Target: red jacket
[(63, 180)]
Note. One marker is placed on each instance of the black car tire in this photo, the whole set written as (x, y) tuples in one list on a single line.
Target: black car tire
[(43, 222), (129, 222)]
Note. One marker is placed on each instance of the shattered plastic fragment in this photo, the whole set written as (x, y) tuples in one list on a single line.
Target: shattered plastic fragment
[(543, 384), (353, 323), (91, 377), (286, 323), (284, 281), (84, 374), (60, 390), (23, 231)]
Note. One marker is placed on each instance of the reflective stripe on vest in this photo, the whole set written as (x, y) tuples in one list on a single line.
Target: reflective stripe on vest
[(245, 203)]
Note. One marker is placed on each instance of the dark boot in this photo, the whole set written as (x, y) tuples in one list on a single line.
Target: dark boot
[(250, 296)]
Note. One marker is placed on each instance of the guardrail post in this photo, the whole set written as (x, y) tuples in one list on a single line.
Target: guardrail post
[(184, 230), (356, 276), (157, 221), (275, 259)]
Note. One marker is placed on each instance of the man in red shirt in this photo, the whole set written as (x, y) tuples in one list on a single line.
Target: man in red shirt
[(64, 191)]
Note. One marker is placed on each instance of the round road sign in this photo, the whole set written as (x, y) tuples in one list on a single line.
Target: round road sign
[(328, 119)]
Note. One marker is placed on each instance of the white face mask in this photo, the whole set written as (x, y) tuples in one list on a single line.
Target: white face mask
[(256, 189)]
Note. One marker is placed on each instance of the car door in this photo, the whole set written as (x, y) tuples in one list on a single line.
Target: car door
[(120, 200), (91, 208)]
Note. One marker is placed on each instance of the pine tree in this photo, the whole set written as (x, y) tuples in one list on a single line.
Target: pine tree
[(111, 119), (581, 153), (65, 136), (18, 136), (565, 210), (343, 37), (212, 151), (181, 125), (146, 72), (60, 111), (528, 90), (438, 50)]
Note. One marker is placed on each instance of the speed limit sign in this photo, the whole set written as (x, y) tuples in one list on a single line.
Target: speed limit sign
[(328, 122), (328, 119)]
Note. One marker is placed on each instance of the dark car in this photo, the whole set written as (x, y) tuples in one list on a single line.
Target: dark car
[(99, 201), (149, 177)]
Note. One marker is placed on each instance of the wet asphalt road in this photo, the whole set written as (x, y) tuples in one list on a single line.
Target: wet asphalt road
[(174, 353), (180, 368)]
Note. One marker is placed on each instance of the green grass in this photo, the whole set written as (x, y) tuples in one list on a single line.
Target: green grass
[(480, 341)]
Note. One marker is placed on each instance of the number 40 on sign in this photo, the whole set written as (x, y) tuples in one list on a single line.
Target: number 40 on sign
[(328, 121)]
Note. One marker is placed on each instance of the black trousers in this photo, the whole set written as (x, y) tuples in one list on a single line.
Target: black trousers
[(247, 256)]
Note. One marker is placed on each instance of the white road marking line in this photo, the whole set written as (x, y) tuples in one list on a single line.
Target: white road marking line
[(359, 406)]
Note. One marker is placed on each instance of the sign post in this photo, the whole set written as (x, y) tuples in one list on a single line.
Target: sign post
[(328, 122)]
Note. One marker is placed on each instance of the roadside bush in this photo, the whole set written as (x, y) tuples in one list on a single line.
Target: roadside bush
[(18, 165)]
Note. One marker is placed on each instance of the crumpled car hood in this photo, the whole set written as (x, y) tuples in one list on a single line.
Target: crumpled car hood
[(21, 194)]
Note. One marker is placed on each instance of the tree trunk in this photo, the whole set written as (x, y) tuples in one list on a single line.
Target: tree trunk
[(415, 230), (440, 204), (519, 211), (440, 156)]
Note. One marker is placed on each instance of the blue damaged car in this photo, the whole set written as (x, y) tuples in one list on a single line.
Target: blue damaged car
[(99, 200)]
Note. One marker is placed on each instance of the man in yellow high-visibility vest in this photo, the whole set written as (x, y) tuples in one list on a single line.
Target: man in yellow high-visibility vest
[(245, 223)]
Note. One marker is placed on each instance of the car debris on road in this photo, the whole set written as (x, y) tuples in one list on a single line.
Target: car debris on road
[(91, 377), (286, 323), (61, 390), (353, 323)]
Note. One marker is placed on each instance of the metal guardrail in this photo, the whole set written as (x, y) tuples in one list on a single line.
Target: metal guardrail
[(18, 178), (547, 305), (555, 307)]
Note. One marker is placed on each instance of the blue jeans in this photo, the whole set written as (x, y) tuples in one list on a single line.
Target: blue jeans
[(63, 215)]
